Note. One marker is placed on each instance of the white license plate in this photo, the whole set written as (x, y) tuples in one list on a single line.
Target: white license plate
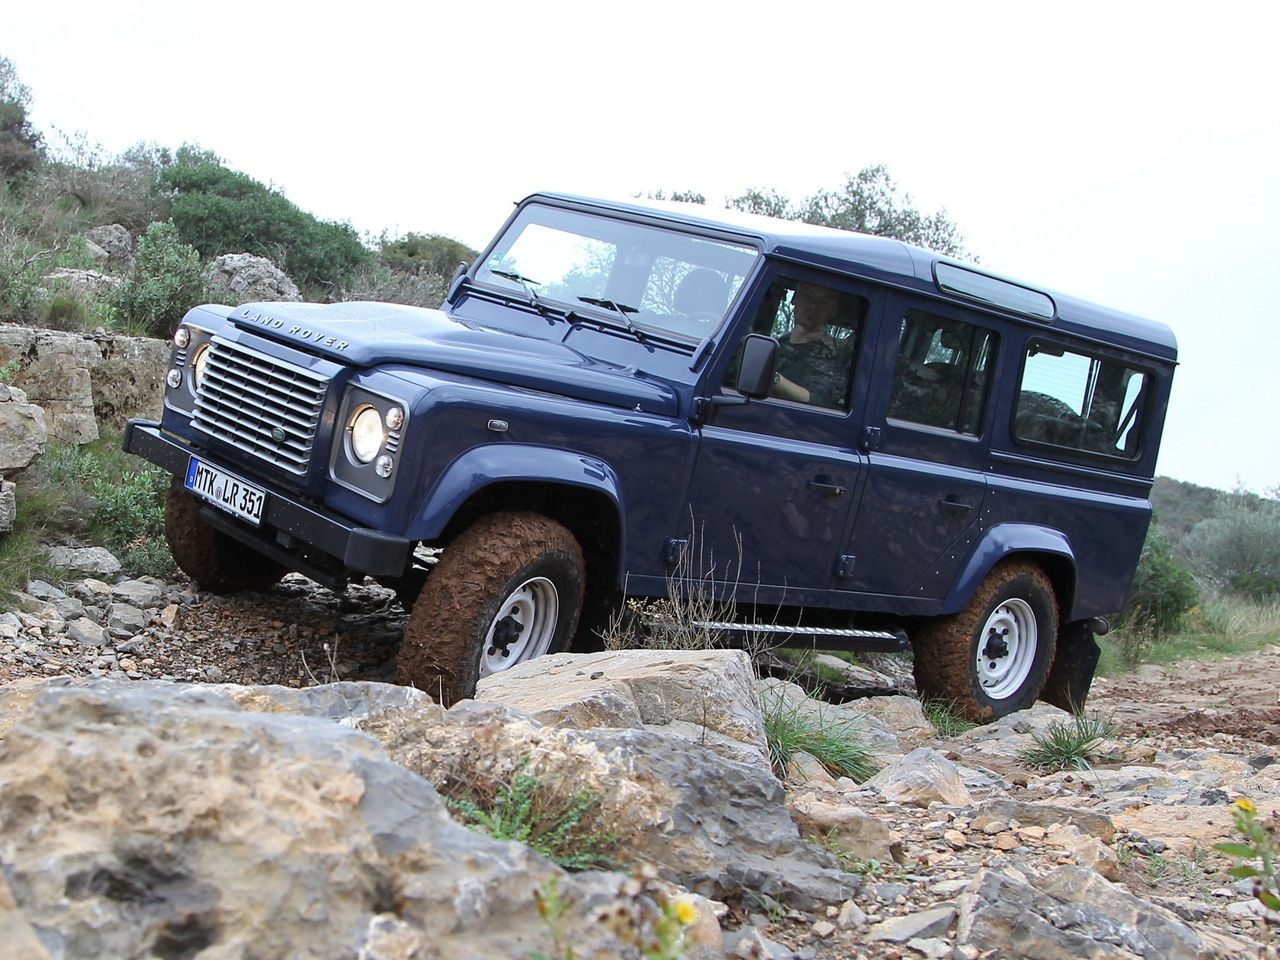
[(223, 490)]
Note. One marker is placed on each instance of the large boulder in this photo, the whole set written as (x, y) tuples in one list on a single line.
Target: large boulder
[(150, 819), (22, 431), (706, 696), (243, 278)]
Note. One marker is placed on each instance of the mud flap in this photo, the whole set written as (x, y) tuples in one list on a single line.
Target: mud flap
[(1071, 675)]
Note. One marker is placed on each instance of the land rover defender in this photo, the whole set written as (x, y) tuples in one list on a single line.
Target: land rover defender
[(873, 443)]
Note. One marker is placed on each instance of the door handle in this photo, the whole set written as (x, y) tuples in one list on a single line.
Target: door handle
[(953, 505), (824, 485)]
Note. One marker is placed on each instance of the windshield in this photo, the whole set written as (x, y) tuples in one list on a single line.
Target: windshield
[(629, 274)]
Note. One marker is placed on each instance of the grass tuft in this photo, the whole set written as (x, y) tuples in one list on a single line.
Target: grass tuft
[(537, 814), (1068, 744), (836, 744), (946, 719)]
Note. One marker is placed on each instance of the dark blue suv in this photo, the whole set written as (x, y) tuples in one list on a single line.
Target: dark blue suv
[(857, 440)]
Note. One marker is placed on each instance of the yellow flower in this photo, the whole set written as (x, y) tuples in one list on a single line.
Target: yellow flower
[(686, 912), (1246, 806)]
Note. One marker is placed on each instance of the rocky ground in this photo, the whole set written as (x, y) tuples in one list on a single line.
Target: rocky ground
[(954, 850)]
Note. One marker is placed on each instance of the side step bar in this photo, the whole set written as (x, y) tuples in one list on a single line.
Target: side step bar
[(885, 641)]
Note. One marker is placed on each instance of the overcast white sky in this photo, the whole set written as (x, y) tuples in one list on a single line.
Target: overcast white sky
[(1128, 153)]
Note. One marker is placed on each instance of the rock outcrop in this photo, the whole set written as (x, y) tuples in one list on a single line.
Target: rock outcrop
[(116, 242), (22, 431), (80, 381), (243, 278)]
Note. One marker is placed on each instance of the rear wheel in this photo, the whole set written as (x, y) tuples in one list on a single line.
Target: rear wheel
[(992, 658), (507, 590), (209, 557)]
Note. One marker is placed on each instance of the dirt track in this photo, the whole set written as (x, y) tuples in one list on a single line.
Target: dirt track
[(1238, 695)]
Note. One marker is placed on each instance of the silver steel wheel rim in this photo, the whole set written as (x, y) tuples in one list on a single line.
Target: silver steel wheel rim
[(1007, 649), (523, 628)]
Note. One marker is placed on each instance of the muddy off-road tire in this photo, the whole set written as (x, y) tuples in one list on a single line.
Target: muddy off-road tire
[(507, 590), (208, 556), (991, 658)]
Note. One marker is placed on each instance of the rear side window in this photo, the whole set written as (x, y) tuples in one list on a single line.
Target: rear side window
[(1079, 402), (941, 372)]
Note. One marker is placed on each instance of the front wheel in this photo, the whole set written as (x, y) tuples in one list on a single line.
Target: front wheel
[(507, 590), (992, 658), (212, 559)]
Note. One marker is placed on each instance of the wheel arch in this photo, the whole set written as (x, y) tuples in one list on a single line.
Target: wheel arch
[(1048, 548), (579, 491)]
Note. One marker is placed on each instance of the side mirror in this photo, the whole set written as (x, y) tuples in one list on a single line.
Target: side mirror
[(755, 373), (455, 284)]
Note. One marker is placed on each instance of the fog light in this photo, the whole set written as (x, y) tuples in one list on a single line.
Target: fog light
[(173, 378), (181, 338), (395, 418), (383, 467)]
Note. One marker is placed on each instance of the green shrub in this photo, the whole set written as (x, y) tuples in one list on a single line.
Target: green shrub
[(22, 267), (218, 210), (1260, 843), (166, 282), (1163, 591)]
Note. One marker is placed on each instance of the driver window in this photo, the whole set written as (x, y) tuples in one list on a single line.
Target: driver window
[(816, 327)]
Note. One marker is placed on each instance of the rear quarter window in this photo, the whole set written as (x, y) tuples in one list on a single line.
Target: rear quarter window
[(1080, 402)]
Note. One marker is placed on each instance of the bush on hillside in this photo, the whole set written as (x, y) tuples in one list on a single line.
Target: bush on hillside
[(426, 253), (1163, 591), (218, 210), (1238, 550), (166, 282), (92, 187)]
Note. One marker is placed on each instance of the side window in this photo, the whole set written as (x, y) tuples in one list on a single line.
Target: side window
[(817, 329), (1079, 402), (941, 372)]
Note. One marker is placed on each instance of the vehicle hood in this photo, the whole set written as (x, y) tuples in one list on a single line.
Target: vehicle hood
[(365, 334)]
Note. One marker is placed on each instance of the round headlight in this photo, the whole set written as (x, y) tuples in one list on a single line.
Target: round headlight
[(198, 361), (367, 435)]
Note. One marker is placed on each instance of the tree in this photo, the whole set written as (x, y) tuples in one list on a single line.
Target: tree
[(19, 141), (869, 201)]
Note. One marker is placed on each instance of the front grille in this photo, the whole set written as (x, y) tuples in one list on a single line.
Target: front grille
[(246, 396)]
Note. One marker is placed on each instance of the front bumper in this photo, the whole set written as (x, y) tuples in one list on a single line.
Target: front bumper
[(288, 526)]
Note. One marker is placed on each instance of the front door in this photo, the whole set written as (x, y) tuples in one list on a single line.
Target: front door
[(775, 479)]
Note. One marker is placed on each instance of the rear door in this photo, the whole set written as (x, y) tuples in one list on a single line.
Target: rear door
[(926, 439)]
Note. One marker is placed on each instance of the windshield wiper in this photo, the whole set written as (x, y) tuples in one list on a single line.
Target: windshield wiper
[(534, 300), (621, 309)]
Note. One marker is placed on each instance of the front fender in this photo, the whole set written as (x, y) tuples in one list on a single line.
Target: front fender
[(484, 466), (1001, 541)]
